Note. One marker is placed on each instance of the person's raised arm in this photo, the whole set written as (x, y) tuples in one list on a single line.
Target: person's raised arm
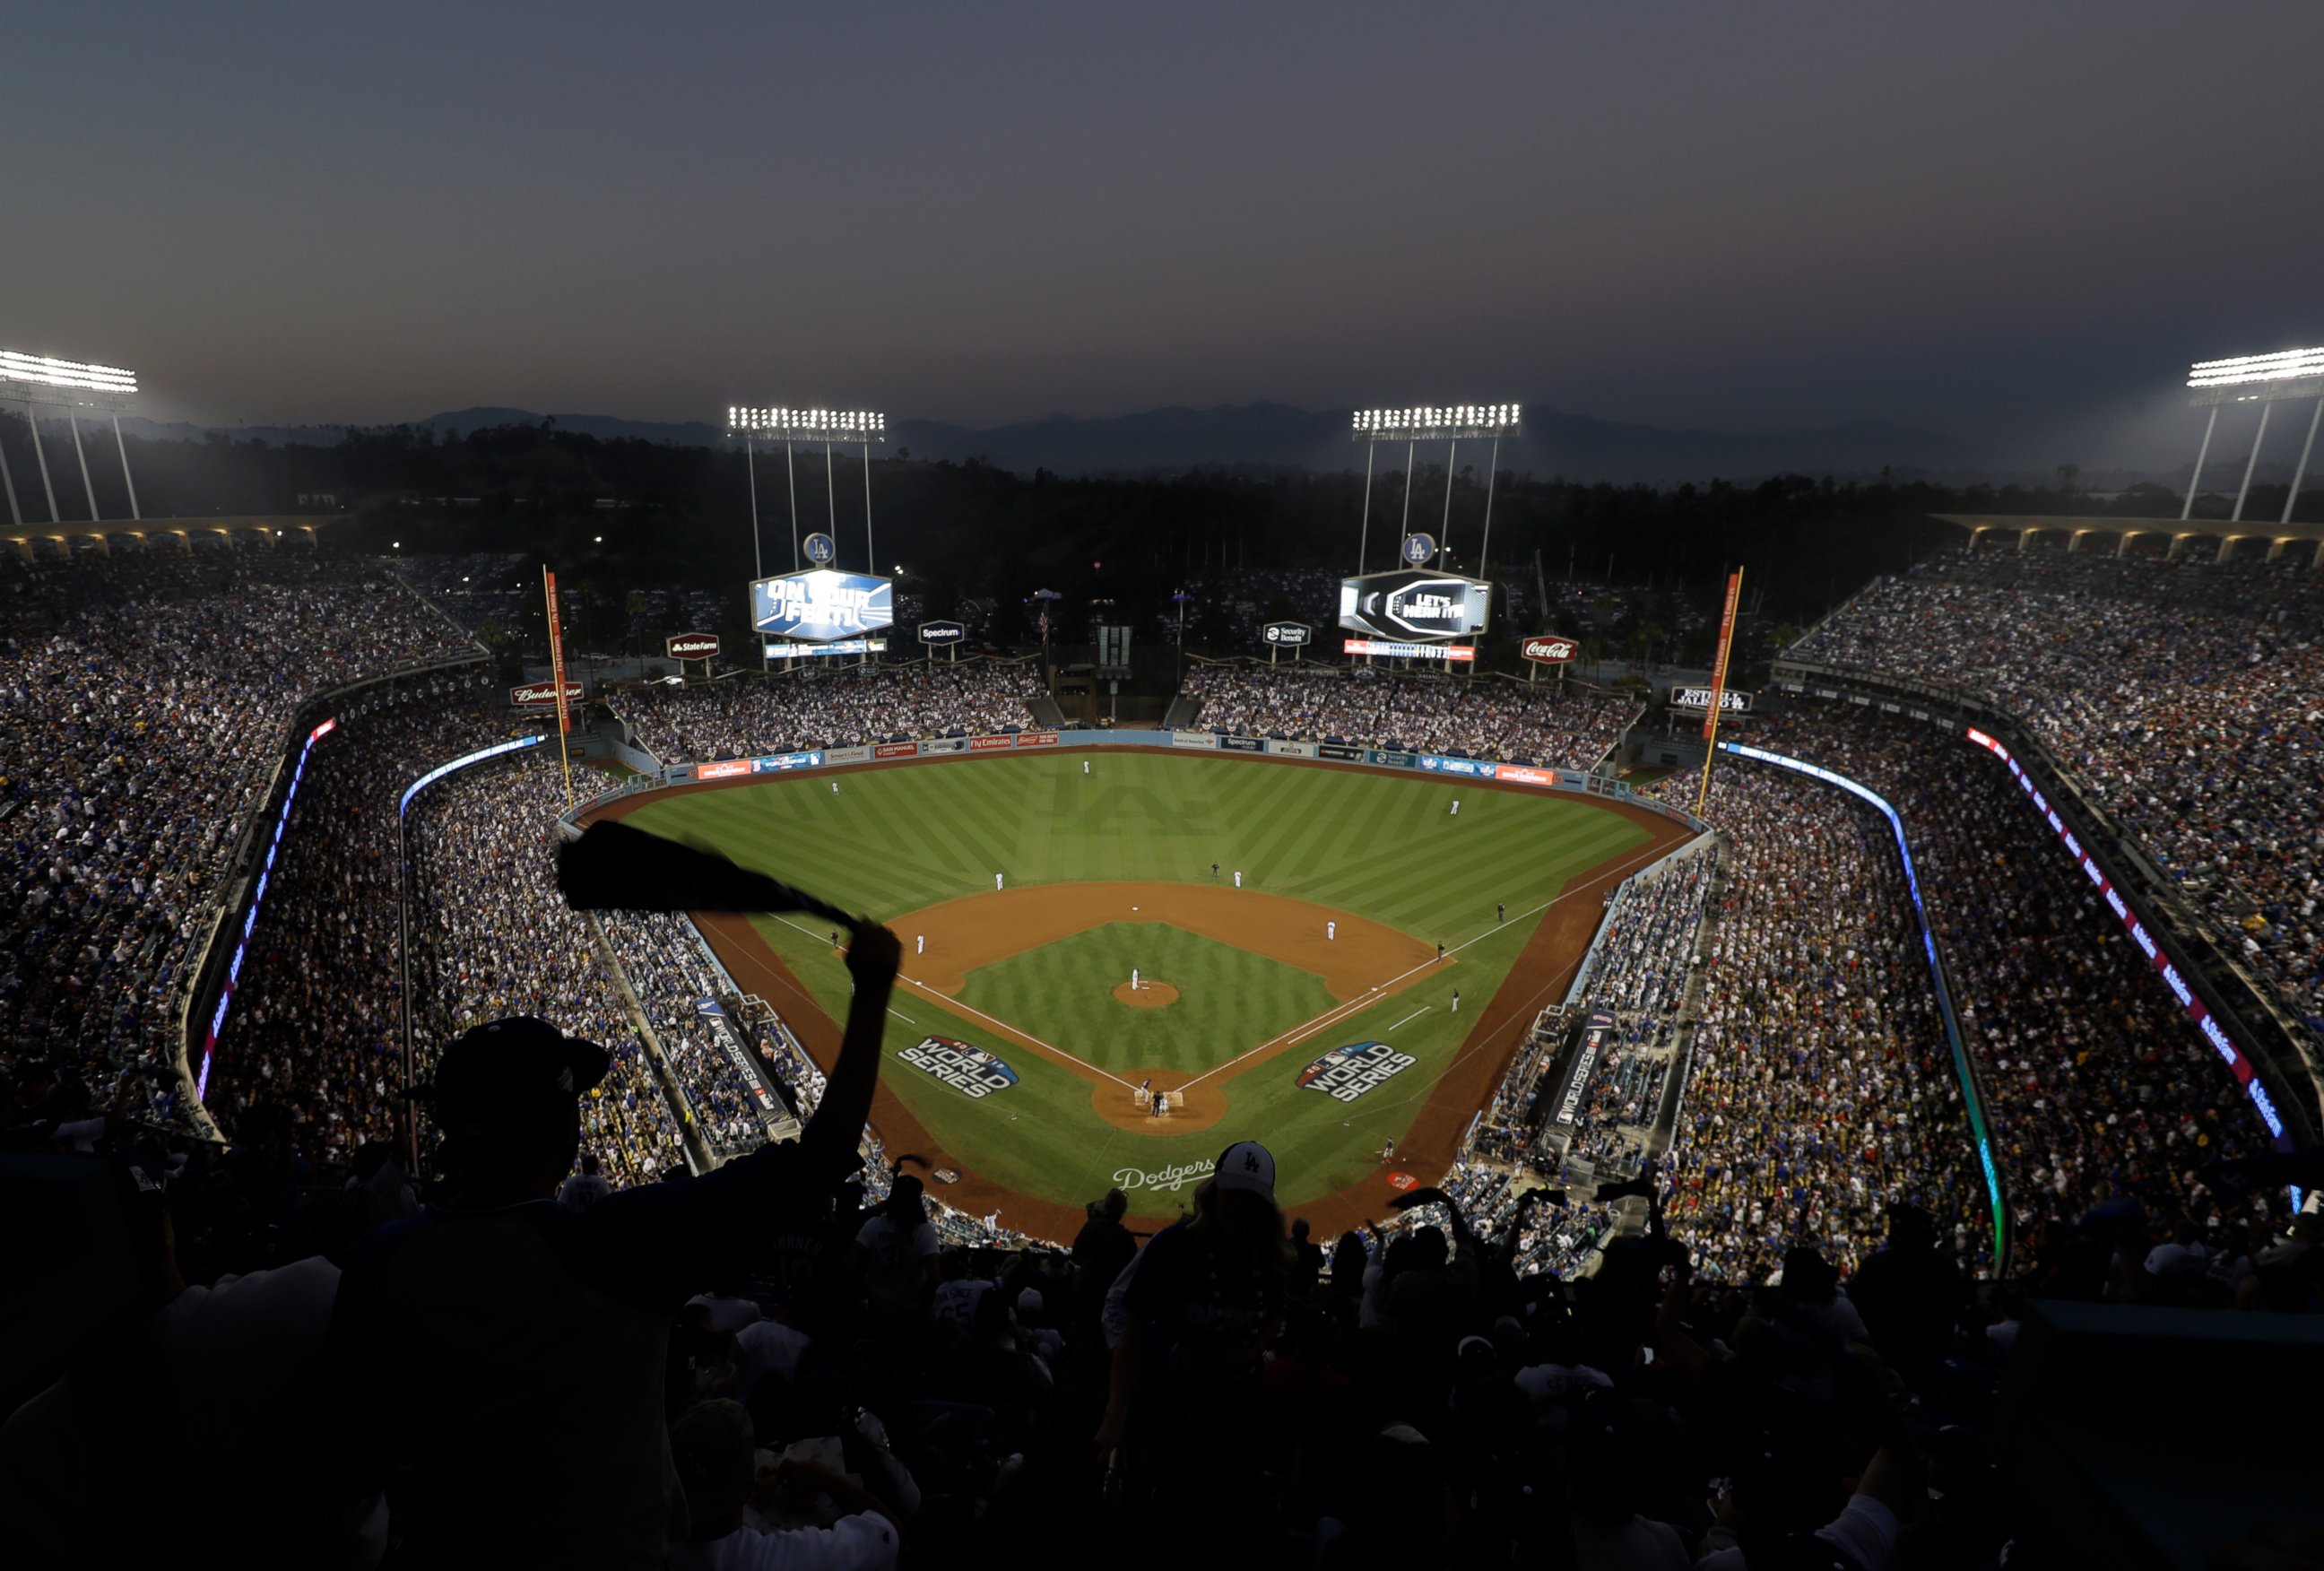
[(873, 958)]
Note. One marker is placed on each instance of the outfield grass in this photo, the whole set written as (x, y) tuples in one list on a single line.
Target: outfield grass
[(892, 841)]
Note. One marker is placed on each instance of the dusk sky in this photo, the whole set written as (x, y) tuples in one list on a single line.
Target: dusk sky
[(1974, 218)]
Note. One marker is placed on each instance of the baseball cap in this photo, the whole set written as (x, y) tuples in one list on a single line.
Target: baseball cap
[(508, 1063), (1247, 1165)]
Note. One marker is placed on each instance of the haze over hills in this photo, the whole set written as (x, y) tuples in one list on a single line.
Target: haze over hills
[(1274, 436)]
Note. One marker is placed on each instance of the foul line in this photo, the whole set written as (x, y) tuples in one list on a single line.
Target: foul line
[(1414, 1015), (950, 1002), (1298, 1034)]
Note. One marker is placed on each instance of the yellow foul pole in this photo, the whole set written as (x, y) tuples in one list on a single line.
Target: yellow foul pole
[(556, 679)]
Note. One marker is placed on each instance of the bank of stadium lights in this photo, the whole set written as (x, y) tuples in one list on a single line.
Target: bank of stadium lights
[(806, 425), (2257, 371), (1434, 422), (2263, 380), (39, 379)]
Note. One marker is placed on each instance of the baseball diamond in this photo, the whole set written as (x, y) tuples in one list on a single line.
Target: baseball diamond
[(1354, 877)]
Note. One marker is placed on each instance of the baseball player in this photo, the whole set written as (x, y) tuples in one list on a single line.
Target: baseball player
[(1133, 979), (1238, 878), (1456, 807), (919, 943), (1331, 932), (996, 881), (1084, 766), (1500, 912)]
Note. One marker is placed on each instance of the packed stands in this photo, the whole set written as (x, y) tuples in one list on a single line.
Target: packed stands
[(146, 699), (317, 1020), (490, 938), (2184, 696), (750, 714), (1820, 1092), (2099, 1089), (670, 979), (1488, 718)]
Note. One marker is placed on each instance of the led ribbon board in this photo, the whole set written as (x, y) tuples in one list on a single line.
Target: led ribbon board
[(2214, 1034)]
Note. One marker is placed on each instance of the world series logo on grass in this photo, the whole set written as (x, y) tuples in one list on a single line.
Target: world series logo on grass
[(970, 1071), (1347, 1073)]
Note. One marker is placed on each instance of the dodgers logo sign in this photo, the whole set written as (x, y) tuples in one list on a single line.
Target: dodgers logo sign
[(970, 1071), (1347, 1073)]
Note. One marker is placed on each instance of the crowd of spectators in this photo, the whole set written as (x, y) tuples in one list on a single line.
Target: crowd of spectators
[(1485, 717), (2187, 697), (146, 699), (316, 1023), (1820, 1092), (670, 978), (490, 938), (751, 715), (2100, 1092)]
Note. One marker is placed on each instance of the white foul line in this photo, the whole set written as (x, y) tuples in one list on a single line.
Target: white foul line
[(1414, 1015)]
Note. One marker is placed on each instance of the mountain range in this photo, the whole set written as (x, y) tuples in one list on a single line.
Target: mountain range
[(1280, 436)]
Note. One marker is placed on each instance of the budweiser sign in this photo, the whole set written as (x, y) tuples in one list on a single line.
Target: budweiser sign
[(692, 646), (1550, 650), (541, 695)]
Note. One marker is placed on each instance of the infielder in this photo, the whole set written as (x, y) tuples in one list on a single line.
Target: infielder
[(1331, 932), (1133, 979), (919, 943), (996, 881), (1238, 878)]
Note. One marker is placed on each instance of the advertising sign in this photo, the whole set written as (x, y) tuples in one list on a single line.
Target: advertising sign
[(724, 769), (1594, 1037), (941, 632), (1525, 775), (895, 750), (844, 646), (1731, 701), (821, 603), (1037, 739), (1441, 765), (1393, 759), (691, 646), (782, 762), (945, 744), (1414, 605), (1288, 634), (1242, 744), (1397, 651), (857, 754), (990, 744), (1294, 749), (970, 1071), (1552, 649), (541, 695), (1193, 739), (1335, 750), (1346, 1072)]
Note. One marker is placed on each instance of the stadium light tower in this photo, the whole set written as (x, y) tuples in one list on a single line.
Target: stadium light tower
[(38, 381), (1452, 423), (2261, 379), (811, 425)]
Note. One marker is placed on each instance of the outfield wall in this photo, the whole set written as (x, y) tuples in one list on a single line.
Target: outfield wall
[(1453, 766)]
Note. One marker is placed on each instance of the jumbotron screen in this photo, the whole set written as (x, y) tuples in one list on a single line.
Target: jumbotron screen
[(821, 603), (1414, 603)]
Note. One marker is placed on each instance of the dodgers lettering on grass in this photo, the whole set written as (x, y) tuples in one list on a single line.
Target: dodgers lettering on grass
[(970, 1071), (1172, 1177), (1346, 1072)]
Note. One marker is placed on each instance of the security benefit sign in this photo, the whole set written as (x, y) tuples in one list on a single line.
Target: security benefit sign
[(1346, 1072), (821, 603), (970, 1071), (1415, 603)]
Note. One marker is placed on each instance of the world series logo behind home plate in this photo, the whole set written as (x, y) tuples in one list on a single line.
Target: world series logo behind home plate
[(1347, 1073), (970, 1071)]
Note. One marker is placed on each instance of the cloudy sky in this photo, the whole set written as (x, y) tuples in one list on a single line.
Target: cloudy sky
[(1980, 218)]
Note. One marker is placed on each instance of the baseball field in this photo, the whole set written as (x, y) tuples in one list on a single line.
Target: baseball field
[(1307, 1006)]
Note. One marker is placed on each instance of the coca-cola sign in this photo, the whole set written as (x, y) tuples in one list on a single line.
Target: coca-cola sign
[(692, 646), (542, 695), (1551, 649)]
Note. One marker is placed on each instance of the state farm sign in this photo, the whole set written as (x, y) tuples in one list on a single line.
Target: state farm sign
[(542, 695), (1550, 650), (692, 646)]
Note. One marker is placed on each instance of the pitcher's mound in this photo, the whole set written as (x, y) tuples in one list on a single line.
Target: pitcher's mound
[(1147, 994)]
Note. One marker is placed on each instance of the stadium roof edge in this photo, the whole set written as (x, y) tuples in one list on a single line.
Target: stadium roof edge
[(23, 535), (2124, 529)]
